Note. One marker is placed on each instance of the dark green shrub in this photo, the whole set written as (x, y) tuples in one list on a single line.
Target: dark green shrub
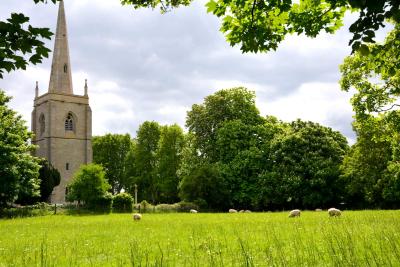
[(122, 203), (102, 204)]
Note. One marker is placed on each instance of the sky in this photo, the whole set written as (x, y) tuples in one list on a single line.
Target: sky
[(142, 65)]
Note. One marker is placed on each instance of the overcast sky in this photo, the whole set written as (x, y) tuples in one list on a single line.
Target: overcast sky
[(142, 65)]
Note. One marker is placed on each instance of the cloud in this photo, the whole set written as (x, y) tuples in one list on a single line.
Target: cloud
[(142, 65)]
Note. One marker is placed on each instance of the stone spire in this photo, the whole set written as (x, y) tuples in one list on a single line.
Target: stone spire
[(60, 77)]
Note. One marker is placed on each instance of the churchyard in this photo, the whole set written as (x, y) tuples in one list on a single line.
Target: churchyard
[(357, 238)]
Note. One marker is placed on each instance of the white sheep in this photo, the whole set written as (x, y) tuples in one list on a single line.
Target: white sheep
[(137, 217), (232, 211), (193, 211), (294, 213), (247, 211), (334, 212), (318, 209)]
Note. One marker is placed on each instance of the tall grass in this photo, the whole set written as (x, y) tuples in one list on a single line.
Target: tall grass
[(358, 238)]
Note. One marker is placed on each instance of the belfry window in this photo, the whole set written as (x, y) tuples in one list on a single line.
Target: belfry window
[(42, 124), (69, 122), (65, 68)]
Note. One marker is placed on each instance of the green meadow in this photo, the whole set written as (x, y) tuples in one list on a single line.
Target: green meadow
[(358, 238)]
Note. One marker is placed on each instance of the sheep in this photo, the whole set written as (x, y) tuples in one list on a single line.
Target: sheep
[(334, 212), (193, 211), (232, 211), (247, 211), (137, 217), (294, 213), (241, 211), (318, 209)]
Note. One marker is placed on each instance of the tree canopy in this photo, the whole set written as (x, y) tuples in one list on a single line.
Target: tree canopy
[(259, 26), (18, 169)]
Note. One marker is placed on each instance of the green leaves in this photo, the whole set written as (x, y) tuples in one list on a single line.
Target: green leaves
[(20, 46), (18, 169)]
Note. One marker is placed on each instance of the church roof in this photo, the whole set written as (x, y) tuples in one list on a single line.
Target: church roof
[(60, 77)]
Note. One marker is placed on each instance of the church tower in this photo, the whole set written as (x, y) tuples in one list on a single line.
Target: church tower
[(62, 121)]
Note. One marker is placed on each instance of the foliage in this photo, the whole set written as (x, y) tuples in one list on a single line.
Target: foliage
[(88, 185), (304, 171), (262, 25), (102, 204), (21, 44), (358, 238), (111, 151), (122, 202), (205, 187), (49, 178), (204, 120), (18, 169), (375, 76), (370, 169), (39, 209), (169, 157), (148, 137)]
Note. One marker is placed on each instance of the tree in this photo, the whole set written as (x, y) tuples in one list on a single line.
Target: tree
[(148, 137), (169, 157), (204, 120), (21, 44), (206, 187), (305, 163), (261, 25), (111, 151), (375, 76), (370, 169), (49, 178), (18, 169), (88, 185)]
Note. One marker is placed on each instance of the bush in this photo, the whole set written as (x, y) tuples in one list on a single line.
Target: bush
[(145, 206), (122, 203), (39, 209), (103, 204)]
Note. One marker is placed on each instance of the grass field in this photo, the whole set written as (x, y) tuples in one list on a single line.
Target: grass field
[(358, 238)]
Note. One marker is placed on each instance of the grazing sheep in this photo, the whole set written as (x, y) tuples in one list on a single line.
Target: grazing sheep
[(241, 211), (294, 213), (137, 217), (232, 211), (318, 209), (334, 212), (247, 211), (193, 211)]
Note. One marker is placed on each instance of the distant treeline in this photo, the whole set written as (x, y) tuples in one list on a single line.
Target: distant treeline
[(233, 157)]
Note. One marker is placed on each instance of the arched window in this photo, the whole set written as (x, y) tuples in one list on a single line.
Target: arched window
[(65, 68), (69, 122), (42, 124)]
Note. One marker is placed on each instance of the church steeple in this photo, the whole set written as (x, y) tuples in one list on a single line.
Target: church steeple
[(60, 77)]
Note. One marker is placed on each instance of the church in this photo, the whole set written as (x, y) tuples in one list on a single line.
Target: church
[(61, 120)]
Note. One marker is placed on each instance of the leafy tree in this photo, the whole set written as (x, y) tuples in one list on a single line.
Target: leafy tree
[(148, 137), (111, 151), (305, 163), (261, 25), (169, 157), (20, 43), (206, 187), (49, 178), (88, 185), (375, 77), (18, 169), (365, 166), (204, 120)]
